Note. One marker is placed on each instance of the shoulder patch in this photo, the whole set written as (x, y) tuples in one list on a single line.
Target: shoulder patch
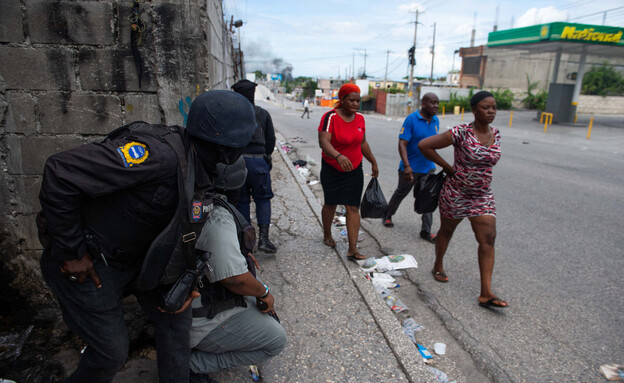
[(133, 153)]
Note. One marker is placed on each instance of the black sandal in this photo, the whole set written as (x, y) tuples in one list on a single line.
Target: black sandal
[(354, 257)]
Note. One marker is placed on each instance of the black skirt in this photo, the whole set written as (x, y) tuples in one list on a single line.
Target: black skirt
[(342, 188)]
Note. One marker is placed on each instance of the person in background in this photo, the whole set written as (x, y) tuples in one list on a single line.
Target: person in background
[(229, 328), (259, 163), (467, 192), (414, 168), (306, 108), (342, 138)]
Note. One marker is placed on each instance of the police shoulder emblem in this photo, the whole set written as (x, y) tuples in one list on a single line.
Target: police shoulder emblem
[(197, 210), (133, 153)]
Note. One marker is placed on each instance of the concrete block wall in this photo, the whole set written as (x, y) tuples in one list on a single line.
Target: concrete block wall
[(600, 105), (69, 75)]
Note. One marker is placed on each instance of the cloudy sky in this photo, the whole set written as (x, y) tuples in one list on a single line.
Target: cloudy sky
[(331, 38)]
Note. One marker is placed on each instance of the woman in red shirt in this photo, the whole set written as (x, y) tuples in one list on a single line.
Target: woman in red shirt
[(342, 137)]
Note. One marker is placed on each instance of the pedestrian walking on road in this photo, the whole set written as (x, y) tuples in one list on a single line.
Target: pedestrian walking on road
[(257, 157), (414, 168), (306, 108), (466, 192), (342, 138)]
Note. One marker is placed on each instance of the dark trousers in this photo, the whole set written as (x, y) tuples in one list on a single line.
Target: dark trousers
[(403, 190), (258, 186), (306, 111), (96, 316)]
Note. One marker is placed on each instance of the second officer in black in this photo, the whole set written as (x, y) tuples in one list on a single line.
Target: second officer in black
[(257, 155)]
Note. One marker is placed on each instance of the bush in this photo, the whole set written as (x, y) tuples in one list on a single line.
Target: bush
[(603, 81), (504, 98), (462, 102), (534, 100)]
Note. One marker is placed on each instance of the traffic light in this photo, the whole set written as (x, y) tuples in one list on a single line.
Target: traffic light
[(410, 52)]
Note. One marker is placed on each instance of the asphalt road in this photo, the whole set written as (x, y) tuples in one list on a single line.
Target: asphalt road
[(559, 250)]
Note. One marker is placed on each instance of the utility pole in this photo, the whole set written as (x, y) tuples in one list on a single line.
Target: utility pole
[(386, 76), (363, 49), (412, 65), (364, 75), (433, 54), (353, 65)]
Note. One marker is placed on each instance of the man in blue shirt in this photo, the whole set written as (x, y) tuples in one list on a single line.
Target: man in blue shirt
[(414, 167)]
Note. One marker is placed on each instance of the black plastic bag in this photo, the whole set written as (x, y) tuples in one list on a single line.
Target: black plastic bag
[(374, 203), (427, 198)]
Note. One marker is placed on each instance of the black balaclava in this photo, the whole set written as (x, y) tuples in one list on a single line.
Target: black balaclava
[(246, 88), (211, 154)]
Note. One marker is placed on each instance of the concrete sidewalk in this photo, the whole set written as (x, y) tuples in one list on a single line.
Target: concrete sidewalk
[(339, 329)]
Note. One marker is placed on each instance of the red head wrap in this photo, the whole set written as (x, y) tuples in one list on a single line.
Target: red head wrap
[(348, 89), (345, 90)]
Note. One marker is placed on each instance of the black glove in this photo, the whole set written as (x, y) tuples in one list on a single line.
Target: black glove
[(269, 160)]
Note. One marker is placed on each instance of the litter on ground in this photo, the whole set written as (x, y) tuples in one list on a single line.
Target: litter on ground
[(388, 262)]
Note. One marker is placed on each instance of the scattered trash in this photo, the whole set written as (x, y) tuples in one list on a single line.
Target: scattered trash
[(612, 372), (340, 221), (83, 349), (439, 348), (299, 163), (298, 139), (313, 182), (410, 327), (393, 302), (383, 280), (255, 373), (6, 381), (310, 160), (423, 351), (343, 232), (305, 172), (286, 148), (368, 263), (439, 375), (391, 262), (396, 258), (394, 273), (11, 344)]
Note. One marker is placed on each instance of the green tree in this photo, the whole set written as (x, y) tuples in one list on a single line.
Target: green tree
[(503, 98), (603, 81), (259, 75), (534, 99)]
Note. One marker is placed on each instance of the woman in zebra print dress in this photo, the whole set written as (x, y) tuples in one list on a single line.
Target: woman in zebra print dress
[(467, 192)]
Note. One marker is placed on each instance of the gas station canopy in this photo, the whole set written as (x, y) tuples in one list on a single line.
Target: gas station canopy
[(563, 38), (597, 40)]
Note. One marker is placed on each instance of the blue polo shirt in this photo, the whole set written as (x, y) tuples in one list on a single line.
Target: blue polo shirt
[(414, 129)]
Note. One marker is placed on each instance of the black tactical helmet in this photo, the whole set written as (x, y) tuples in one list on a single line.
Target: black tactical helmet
[(222, 117)]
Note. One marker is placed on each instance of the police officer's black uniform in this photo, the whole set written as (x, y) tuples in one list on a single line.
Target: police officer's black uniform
[(257, 156), (111, 200)]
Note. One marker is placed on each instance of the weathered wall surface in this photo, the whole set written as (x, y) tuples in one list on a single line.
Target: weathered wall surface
[(70, 73), (600, 105)]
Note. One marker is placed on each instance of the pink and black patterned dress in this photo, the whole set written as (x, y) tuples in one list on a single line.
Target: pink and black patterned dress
[(468, 192)]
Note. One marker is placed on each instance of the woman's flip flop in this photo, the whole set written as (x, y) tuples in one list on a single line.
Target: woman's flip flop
[(443, 277), (356, 257), (490, 303), (329, 242)]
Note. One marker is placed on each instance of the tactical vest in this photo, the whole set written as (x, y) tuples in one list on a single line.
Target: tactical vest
[(173, 251), (258, 136), (215, 298)]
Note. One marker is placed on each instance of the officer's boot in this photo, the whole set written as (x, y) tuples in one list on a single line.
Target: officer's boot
[(264, 244)]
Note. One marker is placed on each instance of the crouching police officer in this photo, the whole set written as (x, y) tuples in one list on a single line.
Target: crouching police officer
[(112, 215), (258, 161), (234, 322)]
